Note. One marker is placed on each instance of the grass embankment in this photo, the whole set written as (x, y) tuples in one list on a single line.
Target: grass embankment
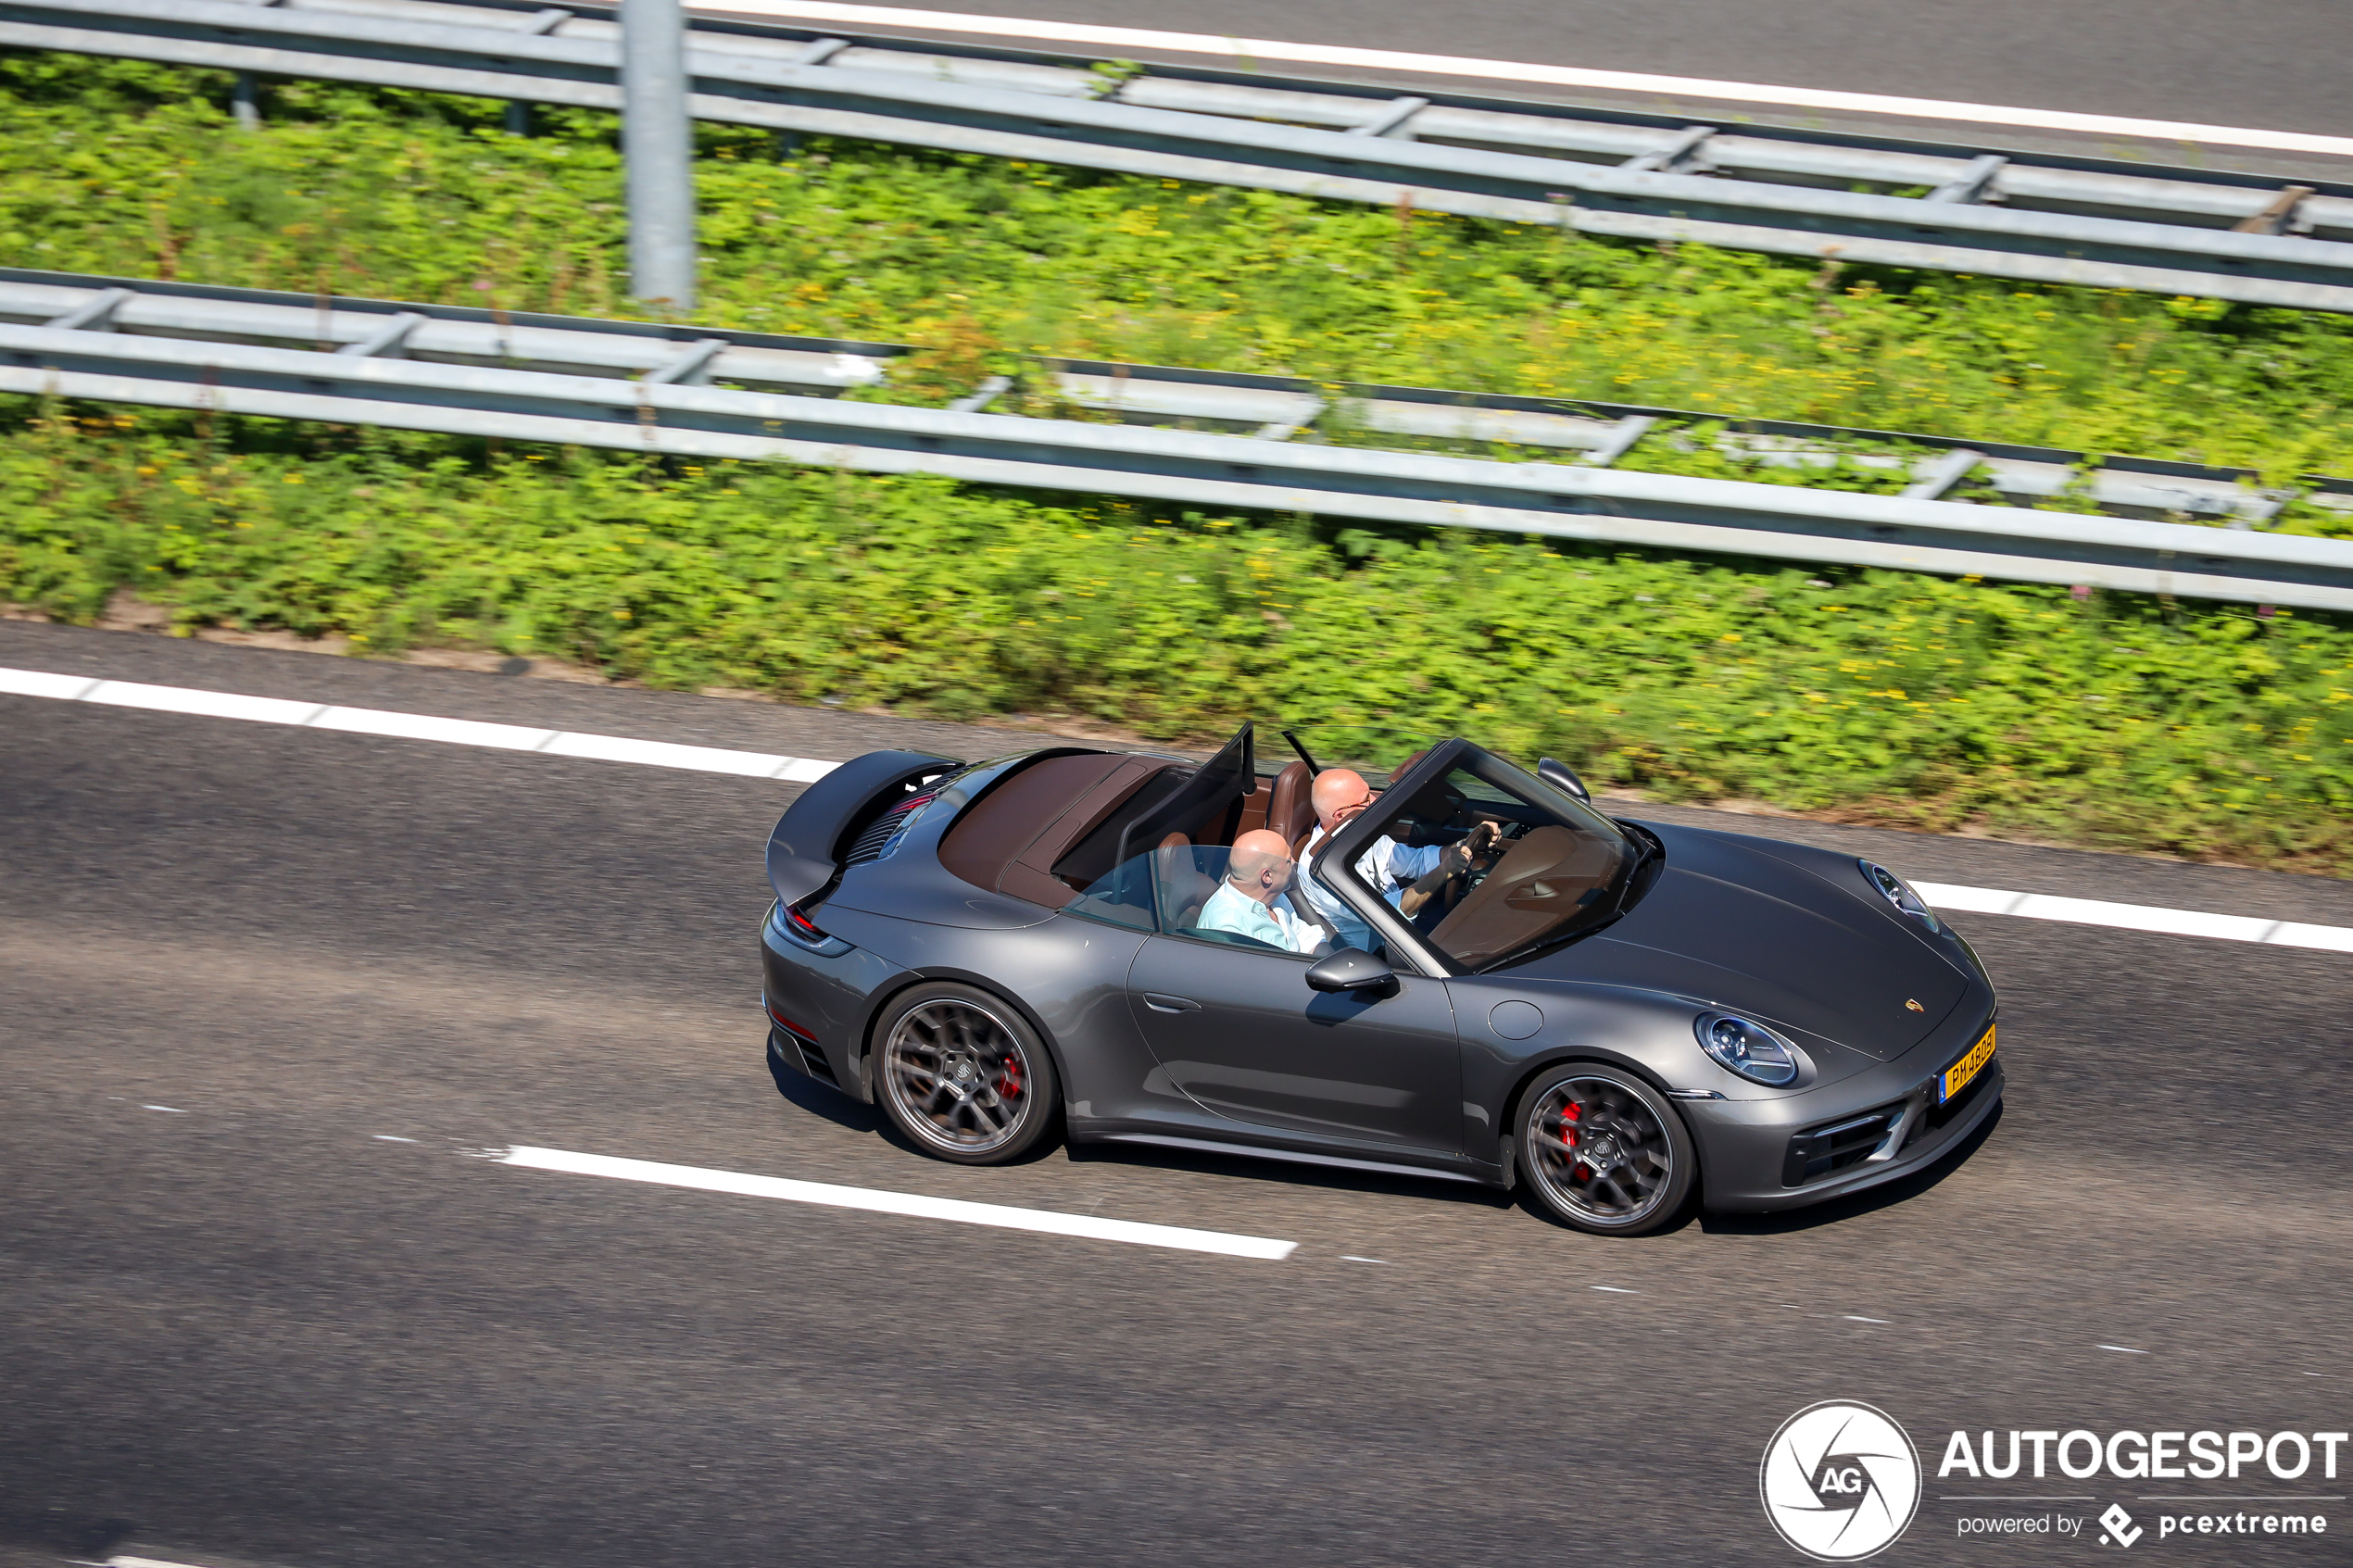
[(2201, 730), (1921, 702)]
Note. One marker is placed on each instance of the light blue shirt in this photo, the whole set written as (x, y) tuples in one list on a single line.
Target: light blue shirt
[(1231, 909)]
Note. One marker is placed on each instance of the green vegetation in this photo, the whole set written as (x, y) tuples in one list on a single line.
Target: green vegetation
[(2211, 731), (134, 168)]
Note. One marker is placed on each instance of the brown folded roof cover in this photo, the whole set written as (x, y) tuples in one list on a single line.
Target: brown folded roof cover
[(1010, 841)]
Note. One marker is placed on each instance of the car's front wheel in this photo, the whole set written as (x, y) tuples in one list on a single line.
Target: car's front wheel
[(1602, 1150), (962, 1075)]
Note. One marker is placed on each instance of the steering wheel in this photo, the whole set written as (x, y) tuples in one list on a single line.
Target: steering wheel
[(1506, 833)]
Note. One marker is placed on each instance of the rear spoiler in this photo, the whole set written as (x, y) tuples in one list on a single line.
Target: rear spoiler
[(803, 852)]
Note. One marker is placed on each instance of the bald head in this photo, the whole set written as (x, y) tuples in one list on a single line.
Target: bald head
[(1339, 795), (1260, 859)]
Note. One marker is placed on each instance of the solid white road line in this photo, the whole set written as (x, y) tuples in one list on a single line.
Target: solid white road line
[(797, 769), (1045, 1220), (2135, 917), (1250, 52), (410, 726)]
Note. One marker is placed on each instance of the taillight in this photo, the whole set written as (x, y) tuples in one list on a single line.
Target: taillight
[(802, 925)]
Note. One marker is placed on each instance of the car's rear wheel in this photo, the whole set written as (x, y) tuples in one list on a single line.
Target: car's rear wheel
[(962, 1075), (1602, 1150)]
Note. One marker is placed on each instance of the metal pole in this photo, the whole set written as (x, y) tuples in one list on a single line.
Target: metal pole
[(657, 139)]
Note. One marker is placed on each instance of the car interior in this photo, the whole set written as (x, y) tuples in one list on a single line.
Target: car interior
[(1068, 821), (1143, 840)]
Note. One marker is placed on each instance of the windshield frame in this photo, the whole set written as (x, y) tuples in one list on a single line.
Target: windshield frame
[(1342, 849)]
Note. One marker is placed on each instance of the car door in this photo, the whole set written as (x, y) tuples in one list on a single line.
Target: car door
[(1239, 1030)]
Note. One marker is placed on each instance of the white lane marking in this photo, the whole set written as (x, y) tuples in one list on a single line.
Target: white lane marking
[(803, 770), (2124, 1350), (1852, 1317), (2134, 917), (172, 1109), (662, 754), (388, 1138), (422, 726), (410, 726), (1613, 1289), (916, 1204), (144, 1563), (40, 683), (1352, 1258), (1251, 51), (202, 704)]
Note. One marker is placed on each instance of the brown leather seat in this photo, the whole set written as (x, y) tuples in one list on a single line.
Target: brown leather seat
[(1291, 811)]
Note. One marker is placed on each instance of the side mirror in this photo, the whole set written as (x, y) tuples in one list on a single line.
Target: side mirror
[(1560, 775), (1353, 968)]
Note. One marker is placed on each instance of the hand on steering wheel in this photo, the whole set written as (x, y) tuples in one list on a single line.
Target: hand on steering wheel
[(1462, 854)]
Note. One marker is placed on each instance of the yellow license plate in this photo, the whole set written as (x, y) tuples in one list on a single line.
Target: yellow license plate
[(1957, 1077)]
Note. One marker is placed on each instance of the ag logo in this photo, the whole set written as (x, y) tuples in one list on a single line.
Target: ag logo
[(1839, 1481)]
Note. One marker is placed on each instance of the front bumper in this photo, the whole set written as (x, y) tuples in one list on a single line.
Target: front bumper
[(1749, 1159)]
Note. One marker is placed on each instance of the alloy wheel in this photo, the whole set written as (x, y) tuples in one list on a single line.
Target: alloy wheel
[(961, 1079), (1600, 1152)]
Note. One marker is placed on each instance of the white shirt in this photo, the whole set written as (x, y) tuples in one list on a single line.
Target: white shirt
[(1229, 909), (1386, 865)]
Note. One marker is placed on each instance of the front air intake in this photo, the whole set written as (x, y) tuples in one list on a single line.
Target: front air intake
[(1821, 1152)]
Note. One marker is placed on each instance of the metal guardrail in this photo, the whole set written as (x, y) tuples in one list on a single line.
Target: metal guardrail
[(349, 376), (1272, 407), (2032, 216)]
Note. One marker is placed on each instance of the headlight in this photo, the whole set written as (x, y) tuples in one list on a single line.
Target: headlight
[(1747, 1047), (1893, 889)]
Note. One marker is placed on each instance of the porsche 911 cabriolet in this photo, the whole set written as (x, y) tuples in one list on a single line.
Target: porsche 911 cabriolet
[(1469, 972)]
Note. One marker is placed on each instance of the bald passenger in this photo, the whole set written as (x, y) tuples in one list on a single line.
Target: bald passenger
[(1250, 901)]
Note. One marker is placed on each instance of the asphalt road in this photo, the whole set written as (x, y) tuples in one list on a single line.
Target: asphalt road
[(2275, 65), (249, 1329)]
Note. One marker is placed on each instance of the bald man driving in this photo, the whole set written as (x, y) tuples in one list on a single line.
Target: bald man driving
[(1408, 878), (1250, 901)]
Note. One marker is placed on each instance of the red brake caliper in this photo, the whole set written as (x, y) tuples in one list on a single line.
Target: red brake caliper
[(1009, 1085), (1569, 1115)]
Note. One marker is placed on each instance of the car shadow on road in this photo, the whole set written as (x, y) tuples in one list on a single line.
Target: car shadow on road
[(823, 1099), (1837, 1209), (1439, 1190)]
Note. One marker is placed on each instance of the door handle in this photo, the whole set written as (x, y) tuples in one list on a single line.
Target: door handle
[(1158, 1002)]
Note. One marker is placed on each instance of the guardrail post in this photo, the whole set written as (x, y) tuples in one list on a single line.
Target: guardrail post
[(657, 141)]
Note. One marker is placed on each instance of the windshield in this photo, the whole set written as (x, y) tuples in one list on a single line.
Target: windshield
[(1490, 864)]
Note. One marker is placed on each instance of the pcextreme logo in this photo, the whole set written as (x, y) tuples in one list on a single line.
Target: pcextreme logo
[(1840, 1481)]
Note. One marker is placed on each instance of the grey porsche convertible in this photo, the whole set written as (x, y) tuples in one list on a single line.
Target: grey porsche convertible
[(1469, 972)]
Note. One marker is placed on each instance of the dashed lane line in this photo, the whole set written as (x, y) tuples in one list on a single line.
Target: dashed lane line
[(803, 770), (1253, 51), (1085, 1227)]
